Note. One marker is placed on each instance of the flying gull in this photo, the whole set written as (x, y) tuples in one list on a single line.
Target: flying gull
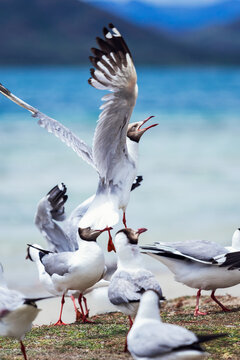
[(114, 154)]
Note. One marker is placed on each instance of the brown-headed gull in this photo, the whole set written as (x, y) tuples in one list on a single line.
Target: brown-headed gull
[(200, 264), (71, 270), (130, 279), (114, 154), (150, 338), (17, 313)]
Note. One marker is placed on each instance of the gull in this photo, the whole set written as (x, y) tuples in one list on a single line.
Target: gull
[(200, 264), (16, 313), (131, 279), (150, 338), (51, 213), (71, 270), (114, 154)]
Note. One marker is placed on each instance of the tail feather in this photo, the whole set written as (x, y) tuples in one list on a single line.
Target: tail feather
[(103, 212)]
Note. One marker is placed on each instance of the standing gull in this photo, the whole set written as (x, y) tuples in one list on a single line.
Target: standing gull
[(114, 154), (16, 313), (150, 338), (131, 279), (71, 270), (200, 264)]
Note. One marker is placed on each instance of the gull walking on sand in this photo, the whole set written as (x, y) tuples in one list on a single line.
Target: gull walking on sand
[(200, 264), (114, 154), (17, 313), (150, 338)]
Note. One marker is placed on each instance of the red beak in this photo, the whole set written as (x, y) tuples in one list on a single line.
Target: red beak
[(148, 127), (141, 230)]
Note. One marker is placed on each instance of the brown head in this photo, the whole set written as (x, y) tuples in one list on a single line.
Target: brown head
[(131, 236), (89, 234), (135, 130)]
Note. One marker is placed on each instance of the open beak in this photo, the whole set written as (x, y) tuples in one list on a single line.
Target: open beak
[(144, 122), (141, 230)]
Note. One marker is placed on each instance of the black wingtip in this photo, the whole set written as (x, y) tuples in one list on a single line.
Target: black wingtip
[(105, 31), (209, 337), (4, 90)]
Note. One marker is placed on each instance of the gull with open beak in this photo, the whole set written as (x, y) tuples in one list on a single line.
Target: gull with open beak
[(114, 154)]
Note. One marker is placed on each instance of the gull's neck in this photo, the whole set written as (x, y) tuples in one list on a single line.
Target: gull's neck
[(129, 257), (132, 147), (149, 308), (236, 240)]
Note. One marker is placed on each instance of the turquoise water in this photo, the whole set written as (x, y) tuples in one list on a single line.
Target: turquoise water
[(190, 162)]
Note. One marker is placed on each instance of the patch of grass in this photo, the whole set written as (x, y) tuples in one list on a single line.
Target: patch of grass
[(105, 338)]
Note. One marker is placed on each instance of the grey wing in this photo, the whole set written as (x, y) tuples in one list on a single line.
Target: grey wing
[(122, 289), (51, 206), (145, 280), (114, 71), (230, 260), (55, 127), (160, 339), (56, 263), (199, 251), (9, 300)]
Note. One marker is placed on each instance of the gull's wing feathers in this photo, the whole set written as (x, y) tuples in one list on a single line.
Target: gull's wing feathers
[(52, 206), (56, 263), (197, 251), (114, 71), (10, 300), (125, 288), (159, 339), (122, 289), (55, 127), (230, 260)]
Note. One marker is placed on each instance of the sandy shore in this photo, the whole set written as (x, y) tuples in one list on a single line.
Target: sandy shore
[(171, 289)]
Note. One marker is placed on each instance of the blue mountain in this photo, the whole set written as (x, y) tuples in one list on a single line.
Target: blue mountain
[(173, 18)]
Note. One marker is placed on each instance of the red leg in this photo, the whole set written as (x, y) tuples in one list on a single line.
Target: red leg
[(197, 312), (124, 219), (130, 326), (60, 322), (84, 316), (23, 350), (111, 246), (218, 302), (78, 313)]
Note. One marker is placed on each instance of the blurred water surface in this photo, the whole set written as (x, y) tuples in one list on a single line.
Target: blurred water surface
[(190, 162)]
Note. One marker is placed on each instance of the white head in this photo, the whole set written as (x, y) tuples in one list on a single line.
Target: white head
[(150, 305), (126, 244), (236, 240)]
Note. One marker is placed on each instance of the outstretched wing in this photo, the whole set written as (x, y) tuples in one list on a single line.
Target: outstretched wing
[(114, 71), (197, 251), (55, 127)]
